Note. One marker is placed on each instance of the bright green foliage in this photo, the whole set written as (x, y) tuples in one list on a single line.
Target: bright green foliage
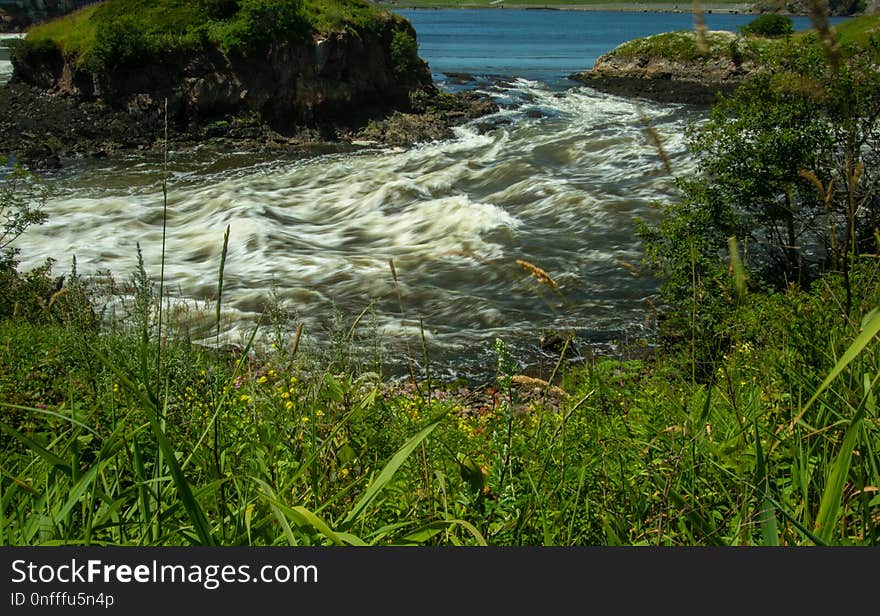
[(853, 36), (117, 33), (22, 198), (633, 452), (404, 54), (787, 166), (257, 22), (768, 25)]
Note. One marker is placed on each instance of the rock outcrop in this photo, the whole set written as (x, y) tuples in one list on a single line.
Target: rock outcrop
[(695, 80), (342, 85), (327, 78)]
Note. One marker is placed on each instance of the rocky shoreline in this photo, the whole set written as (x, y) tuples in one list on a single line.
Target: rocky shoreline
[(41, 129)]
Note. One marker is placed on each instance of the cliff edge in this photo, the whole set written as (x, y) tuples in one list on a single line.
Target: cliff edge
[(281, 70)]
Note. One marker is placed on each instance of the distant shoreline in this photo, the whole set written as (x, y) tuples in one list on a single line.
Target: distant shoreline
[(611, 7)]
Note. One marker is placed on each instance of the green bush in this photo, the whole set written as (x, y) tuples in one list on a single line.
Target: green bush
[(258, 22), (404, 54), (118, 43), (782, 168), (769, 25), (25, 51)]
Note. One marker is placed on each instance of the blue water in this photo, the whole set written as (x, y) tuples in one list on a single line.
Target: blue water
[(541, 45)]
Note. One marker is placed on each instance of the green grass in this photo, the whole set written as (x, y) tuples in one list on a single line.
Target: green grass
[(134, 29), (853, 34), (278, 445), (858, 31), (72, 33)]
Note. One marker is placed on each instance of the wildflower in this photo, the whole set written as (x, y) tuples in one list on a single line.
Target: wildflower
[(319, 413), (285, 395), (245, 398), (305, 419), (288, 405), (262, 379)]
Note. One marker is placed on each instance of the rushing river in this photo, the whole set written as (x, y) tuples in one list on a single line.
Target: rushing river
[(559, 182), (5, 64)]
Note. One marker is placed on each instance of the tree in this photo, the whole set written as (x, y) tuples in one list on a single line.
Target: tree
[(788, 165)]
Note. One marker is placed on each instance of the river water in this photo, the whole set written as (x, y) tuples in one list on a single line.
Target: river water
[(5, 64), (559, 182)]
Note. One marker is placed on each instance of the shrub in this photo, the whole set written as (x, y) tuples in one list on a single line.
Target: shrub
[(769, 25), (404, 54), (118, 42), (787, 166), (22, 197), (257, 22), (25, 51)]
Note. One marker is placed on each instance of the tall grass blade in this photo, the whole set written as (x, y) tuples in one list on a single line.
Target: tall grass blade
[(38, 449), (388, 473), (736, 266), (830, 505), (870, 328), (220, 281), (427, 532), (193, 509), (766, 512), (80, 488), (269, 493), (144, 493), (51, 414), (303, 518)]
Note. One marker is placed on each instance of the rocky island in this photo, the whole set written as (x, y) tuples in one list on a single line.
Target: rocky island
[(686, 67), (667, 68), (267, 72)]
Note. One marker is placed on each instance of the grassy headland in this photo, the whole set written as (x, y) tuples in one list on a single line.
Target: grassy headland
[(852, 36), (112, 31)]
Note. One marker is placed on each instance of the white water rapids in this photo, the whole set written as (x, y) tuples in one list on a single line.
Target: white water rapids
[(559, 183)]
